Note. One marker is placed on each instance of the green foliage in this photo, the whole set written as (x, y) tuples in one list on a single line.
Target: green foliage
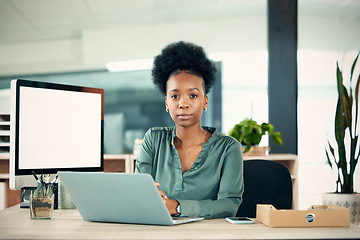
[(249, 133), (345, 159), (43, 190)]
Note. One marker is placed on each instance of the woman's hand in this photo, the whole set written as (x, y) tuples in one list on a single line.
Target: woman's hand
[(171, 204), (162, 194)]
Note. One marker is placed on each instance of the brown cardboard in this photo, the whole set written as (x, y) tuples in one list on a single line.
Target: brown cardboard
[(315, 216)]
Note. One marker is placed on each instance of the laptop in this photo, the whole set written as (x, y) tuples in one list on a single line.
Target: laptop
[(119, 198)]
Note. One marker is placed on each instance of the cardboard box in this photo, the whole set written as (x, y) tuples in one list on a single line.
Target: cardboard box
[(315, 216)]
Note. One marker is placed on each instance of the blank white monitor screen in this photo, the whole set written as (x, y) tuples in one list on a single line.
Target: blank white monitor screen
[(56, 127)]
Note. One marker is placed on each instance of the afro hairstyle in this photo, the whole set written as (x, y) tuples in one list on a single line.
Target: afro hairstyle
[(186, 57)]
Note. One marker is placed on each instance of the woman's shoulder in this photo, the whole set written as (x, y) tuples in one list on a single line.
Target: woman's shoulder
[(225, 139), (216, 136), (221, 138), (159, 132)]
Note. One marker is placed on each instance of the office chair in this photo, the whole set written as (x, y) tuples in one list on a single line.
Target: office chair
[(265, 182)]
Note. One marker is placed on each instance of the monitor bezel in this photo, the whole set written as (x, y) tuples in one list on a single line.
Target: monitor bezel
[(54, 86)]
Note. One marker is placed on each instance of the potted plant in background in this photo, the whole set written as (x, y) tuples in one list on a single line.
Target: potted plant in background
[(249, 133), (346, 155)]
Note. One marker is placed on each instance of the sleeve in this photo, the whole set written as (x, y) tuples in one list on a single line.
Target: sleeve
[(230, 192), (144, 161)]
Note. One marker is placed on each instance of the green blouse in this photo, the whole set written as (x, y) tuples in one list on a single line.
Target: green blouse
[(212, 188)]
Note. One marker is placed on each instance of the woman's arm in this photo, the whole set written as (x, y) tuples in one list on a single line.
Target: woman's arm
[(145, 157)]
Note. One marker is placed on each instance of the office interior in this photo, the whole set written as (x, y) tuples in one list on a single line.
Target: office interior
[(73, 42)]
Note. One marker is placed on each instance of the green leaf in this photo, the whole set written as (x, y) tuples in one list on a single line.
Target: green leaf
[(256, 138), (331, 149), (234, 133), (353, 66), (246, 130), (347, 102), (267, 127), (328, 159), (247, 148), (340, 124), (340, 133), (357, 87), (277, 138)]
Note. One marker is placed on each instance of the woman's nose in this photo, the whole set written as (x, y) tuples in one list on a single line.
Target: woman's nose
[(184, 103)]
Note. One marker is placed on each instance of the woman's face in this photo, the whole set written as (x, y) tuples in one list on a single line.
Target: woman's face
[(185, 99)]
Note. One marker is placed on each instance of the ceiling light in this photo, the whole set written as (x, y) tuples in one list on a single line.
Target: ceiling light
[(130, 65)]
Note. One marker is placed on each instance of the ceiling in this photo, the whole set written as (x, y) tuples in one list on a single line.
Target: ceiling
[(46, 20)]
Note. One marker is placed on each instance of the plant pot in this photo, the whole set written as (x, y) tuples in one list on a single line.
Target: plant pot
[(348, 200), (257, 151), (41, 208)]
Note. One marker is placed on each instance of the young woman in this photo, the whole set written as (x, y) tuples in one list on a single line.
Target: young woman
[(199, 172)]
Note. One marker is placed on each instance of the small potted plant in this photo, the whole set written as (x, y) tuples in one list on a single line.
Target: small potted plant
[(249, 133), (42, 201), (344, 155)]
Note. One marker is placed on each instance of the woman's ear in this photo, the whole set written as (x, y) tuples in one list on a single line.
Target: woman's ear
[(166, 105), (206, 102)]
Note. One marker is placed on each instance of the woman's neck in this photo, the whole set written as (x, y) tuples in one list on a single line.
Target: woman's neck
[(190, 135)]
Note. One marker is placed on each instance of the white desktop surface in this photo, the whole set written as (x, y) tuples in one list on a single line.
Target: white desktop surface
[(15, 223)]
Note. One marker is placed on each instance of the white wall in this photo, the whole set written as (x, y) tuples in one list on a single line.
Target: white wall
[(320, 33), (4, 100)]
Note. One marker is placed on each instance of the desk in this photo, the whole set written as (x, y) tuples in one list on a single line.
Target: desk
[(15, 223)]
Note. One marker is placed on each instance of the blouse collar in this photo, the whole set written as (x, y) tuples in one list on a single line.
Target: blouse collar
[(212, 130)]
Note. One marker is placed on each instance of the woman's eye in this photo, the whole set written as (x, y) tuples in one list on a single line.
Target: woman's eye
[(193, 95), (175, 96)]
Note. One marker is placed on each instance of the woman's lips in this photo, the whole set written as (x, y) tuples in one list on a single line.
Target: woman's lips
[(184, 116)]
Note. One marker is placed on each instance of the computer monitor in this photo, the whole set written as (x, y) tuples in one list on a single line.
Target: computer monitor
[(54, 127)]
